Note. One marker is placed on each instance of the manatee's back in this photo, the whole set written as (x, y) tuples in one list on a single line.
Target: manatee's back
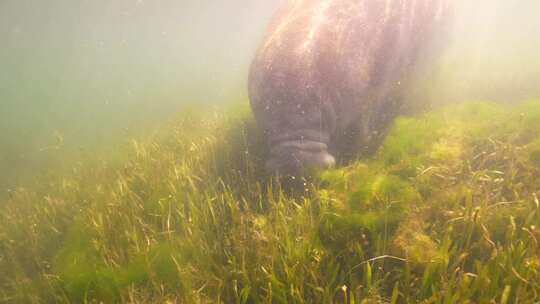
[(326, 65)]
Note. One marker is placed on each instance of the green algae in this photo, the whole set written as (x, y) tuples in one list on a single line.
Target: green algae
[(459, 177), (534, 152), (446, 211), (83, 274)]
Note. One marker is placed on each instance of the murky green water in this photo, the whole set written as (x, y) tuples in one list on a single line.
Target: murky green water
[(84, 76), (97, 72), (131, 169)]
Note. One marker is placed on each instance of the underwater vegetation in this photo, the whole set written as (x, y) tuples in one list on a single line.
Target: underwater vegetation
[(447, 211)]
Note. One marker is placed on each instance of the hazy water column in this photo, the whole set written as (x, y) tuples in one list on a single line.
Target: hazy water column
[(90, 69), (493, 52)]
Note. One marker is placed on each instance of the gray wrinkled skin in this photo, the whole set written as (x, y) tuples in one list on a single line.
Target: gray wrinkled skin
[(327, 80)]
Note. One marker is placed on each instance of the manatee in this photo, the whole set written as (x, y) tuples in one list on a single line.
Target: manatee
[(329, 76)]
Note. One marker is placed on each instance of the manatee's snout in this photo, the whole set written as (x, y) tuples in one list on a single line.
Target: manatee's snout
[(299, 157)]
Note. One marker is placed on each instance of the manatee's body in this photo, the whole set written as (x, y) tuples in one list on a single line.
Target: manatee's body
[(327, 79)]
